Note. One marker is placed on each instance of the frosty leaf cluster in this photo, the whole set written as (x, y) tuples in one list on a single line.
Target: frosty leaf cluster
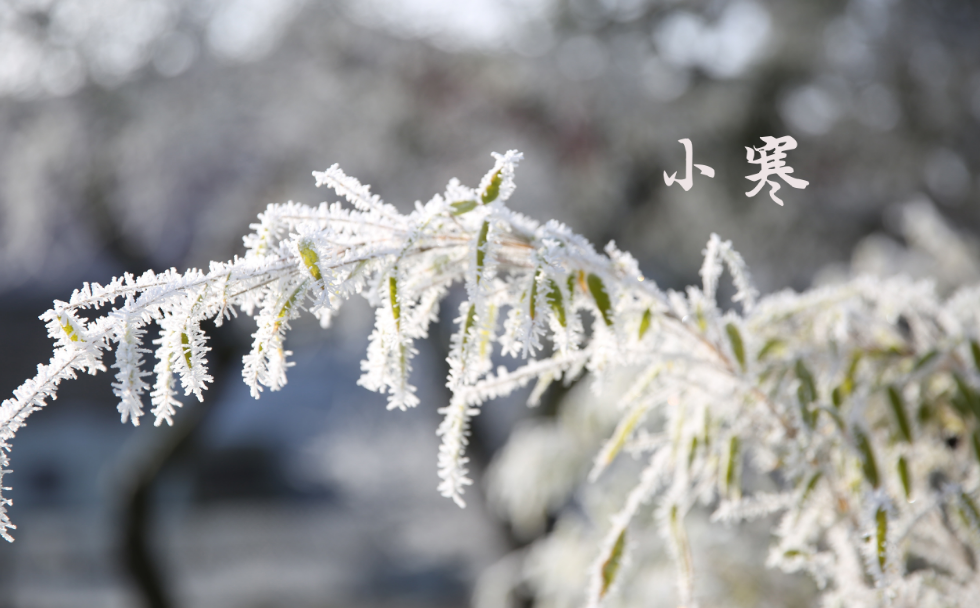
[(859, 402)]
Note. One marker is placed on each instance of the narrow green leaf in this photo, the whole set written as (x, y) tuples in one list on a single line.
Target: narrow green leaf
[(848, 385), (887, 352), (731, 470), (461, 207), (962, 405), (807, 393), (837, 397), (903, 474), (975, 349), (70, 331), (976, 444), (493, 189), (598, 291), (683, 549), (835, 416), (291, 300), (737, 347), (310, 258), (396, 309), (868, 465), (645, 323), (707, 428), (484, 335), (612, 563), (808, 388), (288, 304), (470, 319), (185, 341), (693, 452), (622, 433), (770, 345), (556, 301), (532, 305), (924, 413), (969, 396), (925, 360), (898, 408), (810, 486), (481, 249), (881, 517), (971, 509)]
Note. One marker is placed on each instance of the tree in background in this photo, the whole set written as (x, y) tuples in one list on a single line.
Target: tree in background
[(881, 96)]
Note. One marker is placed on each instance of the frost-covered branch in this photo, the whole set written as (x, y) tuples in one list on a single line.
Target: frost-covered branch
[(848, 396)]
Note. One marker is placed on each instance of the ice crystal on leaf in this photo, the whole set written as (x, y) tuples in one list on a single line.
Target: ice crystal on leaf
[(845, 396)]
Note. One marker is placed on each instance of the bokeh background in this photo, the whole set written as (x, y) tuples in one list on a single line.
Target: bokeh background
[(138, 134)]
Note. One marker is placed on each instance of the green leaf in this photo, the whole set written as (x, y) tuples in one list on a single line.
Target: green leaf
[(731, 470), (868, 465), (601, 298), (288, 304), (461, 207), (185, 341), (470, 319), (622, 433), (971, 509), (693, 452), (810, 486), (835, 416), (770, 345), (737, 346), (556, 300), (612, 563), (903, 474), (969, 397), (493, 189), (898, 408), (887, 352), (699, 316), (481, 249), (70, 331), (848, 385), (976, 444), (881, 518), (707, 428), (924, 413), (808, 388), (645, 323), (807, 393), (682, 547), (532, 305), (925, 360), (975, 349), (310, 258), (396, 309)]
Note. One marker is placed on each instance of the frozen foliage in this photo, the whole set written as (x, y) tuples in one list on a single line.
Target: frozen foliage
[(859, 401)]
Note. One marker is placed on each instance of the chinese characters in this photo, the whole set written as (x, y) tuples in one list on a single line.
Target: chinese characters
[(771, 160), (688, 179)]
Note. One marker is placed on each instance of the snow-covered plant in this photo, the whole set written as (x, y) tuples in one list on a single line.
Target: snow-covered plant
[(859, 402)]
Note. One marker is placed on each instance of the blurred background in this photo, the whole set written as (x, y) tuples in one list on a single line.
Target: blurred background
[(138, 134)]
